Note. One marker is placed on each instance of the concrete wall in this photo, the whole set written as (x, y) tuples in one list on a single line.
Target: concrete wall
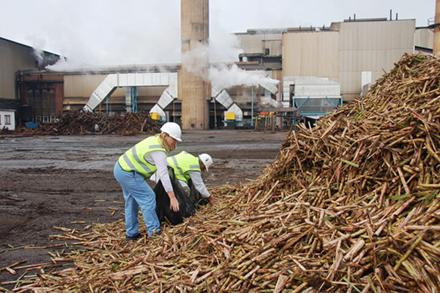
[(424, 38), (343, 54), (371, 46), (257, 43), (311, 54), (13, 57), (7, 119)]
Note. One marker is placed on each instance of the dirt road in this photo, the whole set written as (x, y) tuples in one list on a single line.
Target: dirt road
[(67, 181)]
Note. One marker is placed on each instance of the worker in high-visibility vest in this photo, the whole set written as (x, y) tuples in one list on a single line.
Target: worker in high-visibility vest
[(188, 167), (134, 166)]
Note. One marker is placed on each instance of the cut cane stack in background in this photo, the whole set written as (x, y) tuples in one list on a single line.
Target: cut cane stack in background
[(83, 123)]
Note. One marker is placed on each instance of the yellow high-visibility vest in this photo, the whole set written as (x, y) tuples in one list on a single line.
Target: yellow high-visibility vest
[(133, 159), (183, 163)]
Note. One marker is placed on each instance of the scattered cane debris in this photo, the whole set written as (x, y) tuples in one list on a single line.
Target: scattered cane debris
[(350, 205)]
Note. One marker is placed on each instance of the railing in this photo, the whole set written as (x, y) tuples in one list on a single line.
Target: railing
[(316, 107), (45, 119)]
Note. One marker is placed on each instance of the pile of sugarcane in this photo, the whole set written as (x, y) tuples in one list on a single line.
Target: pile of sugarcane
[(351, 205), (80, 123)]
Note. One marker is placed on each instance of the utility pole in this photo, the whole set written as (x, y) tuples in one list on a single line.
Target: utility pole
[(436, 48)]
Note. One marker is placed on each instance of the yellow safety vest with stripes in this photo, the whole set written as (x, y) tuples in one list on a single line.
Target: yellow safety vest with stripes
[(183, 163), (134, 158)]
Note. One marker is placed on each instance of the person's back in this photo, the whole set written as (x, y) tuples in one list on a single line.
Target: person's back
[(187, 174), (183, 164)]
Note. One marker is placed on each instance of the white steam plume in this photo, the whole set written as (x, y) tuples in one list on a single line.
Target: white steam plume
[(109, 33), (37, 44), (226, 76), (222, 72), (39, 56)]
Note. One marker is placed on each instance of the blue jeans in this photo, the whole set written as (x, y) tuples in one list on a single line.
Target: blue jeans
[(137, 194)]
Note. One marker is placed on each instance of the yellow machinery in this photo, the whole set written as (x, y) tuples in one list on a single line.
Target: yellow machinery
[(230, 116), (230, 119), (155, 116)]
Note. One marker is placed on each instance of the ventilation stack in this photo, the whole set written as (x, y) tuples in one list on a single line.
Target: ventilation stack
[(193, 90)]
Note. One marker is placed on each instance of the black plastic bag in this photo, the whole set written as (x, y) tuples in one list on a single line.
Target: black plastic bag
[(163, 210), (196, 197)]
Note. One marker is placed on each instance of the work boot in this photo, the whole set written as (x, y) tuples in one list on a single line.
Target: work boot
[(134, 237), (155, 233)]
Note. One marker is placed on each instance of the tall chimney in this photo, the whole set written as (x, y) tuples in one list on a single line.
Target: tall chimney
[(436, 49), (193, 90)]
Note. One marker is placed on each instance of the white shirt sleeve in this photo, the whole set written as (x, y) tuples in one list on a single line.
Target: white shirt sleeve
[(159, 159), (197, 180)]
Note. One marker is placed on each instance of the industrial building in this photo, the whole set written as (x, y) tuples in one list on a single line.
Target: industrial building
[(114, 89), (7, 119), (424, 39), (16, 58), (317, 68), (340, 52)]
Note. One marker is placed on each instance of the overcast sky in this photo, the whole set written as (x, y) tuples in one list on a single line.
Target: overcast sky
[(110, 32)]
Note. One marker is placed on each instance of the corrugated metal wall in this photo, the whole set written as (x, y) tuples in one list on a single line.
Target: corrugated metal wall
[(342, 55), (257, 43), (311, 53), (424, 38), (43, 92), (83, 85), (371, 46), (13, 57)]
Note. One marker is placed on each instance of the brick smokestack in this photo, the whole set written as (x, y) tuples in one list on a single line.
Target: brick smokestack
[(193, 90)]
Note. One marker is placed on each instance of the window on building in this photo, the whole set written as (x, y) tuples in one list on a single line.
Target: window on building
[(7, 119)]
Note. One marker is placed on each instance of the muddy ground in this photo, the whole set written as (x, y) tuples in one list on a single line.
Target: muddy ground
[(67, 181)]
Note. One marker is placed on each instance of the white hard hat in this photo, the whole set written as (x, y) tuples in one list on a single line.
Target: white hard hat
[(206, 160), (173, 130)]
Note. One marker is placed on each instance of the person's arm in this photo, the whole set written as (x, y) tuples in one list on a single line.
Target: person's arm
[(197, 180), (160, 160)]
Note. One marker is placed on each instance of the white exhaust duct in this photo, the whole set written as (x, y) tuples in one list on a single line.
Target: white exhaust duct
[(226, 101), (113, 81)]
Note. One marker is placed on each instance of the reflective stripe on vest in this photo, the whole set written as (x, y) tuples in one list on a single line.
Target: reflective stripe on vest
[(134, 158), (183, 163)]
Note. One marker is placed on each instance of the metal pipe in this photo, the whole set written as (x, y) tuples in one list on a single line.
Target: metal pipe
[(252, 106), (215, 113), (436, 48)]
